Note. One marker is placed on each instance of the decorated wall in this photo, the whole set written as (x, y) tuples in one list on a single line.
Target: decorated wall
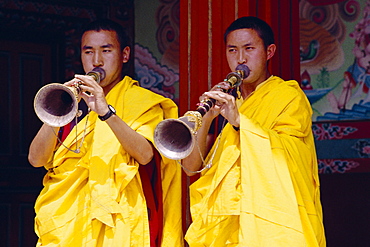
[(334, 57), (157, 46)]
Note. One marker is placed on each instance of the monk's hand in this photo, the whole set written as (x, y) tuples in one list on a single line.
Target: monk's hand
[(93, 94), (214, 111), (225, 105), (221, 86)]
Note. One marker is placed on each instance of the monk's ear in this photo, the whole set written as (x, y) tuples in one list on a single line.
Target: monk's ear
[(271, 51), (125, 54)]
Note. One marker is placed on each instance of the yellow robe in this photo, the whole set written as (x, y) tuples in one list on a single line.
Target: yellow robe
[(95, 197), (263, 187)]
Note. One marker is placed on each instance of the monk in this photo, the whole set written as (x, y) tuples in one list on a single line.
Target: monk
[(106, 184), (259, 184)]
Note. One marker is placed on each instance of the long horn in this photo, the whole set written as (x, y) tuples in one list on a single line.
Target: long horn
[(174, 138), (56, 104)]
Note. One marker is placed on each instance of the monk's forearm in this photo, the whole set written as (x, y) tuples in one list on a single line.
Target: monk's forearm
[(194, 161), (132, 142), (42, 146)]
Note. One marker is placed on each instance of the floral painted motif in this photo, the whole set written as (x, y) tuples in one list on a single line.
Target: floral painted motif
[(328, 131), (336, 166), (363, 148)]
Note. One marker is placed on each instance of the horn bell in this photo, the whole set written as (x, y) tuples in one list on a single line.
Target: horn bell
[(174, 138), (56, 105)]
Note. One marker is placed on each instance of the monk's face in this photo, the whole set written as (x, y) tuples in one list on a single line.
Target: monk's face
[(102, 49), (244, 46)]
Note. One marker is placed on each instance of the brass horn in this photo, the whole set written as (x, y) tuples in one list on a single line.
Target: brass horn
[(174, 138), (56, 104)]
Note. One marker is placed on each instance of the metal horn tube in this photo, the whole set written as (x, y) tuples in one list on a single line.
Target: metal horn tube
[(57, 105), (174, 138), (97, 73)]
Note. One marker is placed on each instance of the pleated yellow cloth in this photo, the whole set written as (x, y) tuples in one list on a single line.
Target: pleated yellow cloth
[(263, 187), (95, 197)]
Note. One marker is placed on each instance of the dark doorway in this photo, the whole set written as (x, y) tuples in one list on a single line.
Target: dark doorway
[(25, 66)]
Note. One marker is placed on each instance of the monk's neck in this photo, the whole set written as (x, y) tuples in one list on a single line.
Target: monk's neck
[(247, 88)]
